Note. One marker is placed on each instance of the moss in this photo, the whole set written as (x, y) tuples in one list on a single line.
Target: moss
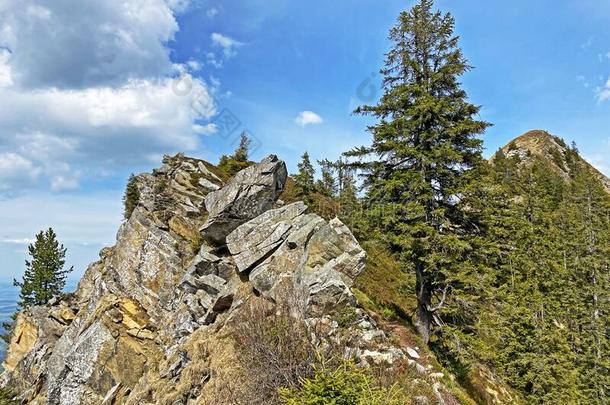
[(346, 317)]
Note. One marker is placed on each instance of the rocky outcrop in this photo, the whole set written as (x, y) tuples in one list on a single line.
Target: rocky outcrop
[(250, 193), (195, 251)]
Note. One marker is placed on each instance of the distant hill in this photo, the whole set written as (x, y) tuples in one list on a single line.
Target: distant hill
[(552, 148)]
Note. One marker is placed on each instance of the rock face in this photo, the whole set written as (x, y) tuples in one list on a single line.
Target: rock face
[(250, 193), (197, 248)]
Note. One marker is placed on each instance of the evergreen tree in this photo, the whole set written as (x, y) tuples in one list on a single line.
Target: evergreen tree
[(131, 197), (424, 148), (239, 160), (44, 276), (243, 150), (304, 179), (327, 185)]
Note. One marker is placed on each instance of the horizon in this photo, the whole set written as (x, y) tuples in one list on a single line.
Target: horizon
[(84, 109)]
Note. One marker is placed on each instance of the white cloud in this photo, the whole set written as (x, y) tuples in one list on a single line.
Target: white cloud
[(194, 65), (213, 12), (603, 93), (229, 46), (61, 183), (6, 74), (16, 171), (308, 118), (68, 44), (86, 88), (24, 241), (208, 129), (59, 133)]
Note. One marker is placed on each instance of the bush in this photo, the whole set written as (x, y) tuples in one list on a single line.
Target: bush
[(131, 199), (274, 350), (231, 166), (342, 385)]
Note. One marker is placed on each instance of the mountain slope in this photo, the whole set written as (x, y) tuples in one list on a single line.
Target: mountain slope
[(553, 149)]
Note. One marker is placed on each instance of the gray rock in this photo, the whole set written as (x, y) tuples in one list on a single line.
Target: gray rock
[(412, 353), (251, 192), (255, 239)]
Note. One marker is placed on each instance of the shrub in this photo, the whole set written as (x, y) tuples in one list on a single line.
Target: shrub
[(131, 198), (274, 349), (342, 385)]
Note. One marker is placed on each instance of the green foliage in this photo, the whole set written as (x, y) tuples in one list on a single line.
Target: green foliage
[(327, 185), (342, 385), (6, 397), (546, 243), (44, 276), (239, 160), (8, 329), (386, 284), (131, 199), (423, 155), (304, 183)]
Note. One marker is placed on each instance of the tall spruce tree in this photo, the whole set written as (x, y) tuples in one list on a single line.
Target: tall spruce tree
[(304, 179), (424, 148), (45, 276)]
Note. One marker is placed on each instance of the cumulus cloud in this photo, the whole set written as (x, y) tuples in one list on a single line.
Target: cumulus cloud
[(603, 93), (88, 87), (68, 44), (308, 118), (229, 45), (16, 171), (103, 127)]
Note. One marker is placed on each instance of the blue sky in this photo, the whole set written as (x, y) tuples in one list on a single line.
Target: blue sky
[(92, 91)]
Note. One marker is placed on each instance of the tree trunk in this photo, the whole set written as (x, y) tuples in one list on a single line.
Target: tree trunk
[(423, 322)]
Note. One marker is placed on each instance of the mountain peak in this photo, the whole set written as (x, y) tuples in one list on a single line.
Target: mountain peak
[(539, 143)]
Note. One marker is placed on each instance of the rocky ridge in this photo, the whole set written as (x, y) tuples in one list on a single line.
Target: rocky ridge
[(197, 249)]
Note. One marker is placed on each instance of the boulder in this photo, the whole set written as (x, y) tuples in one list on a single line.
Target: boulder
[(250, 193)]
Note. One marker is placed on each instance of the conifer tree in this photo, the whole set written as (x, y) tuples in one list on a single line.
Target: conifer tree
[(304, 179), (131, 197), (243, 150), (424, 147), (45, 276), (327, 185), (239, 160)]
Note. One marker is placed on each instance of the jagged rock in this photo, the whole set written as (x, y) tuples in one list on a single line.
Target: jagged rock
[(250, 193), (152, 296), (286, 242), (256, 239)]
